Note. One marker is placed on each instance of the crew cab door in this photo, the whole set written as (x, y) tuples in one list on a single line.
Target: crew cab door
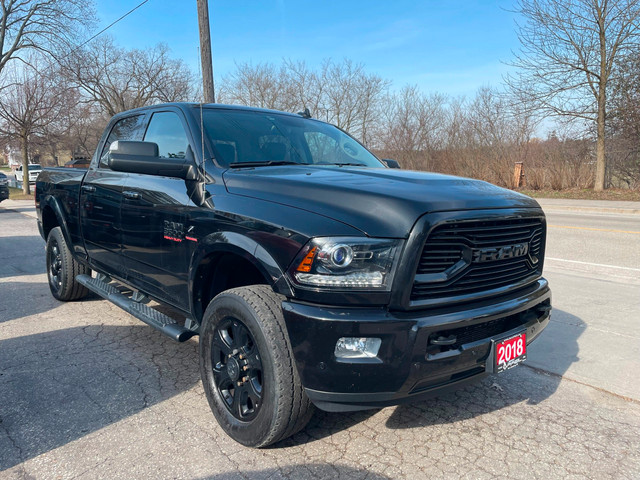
[(155, 210), (101, 198)]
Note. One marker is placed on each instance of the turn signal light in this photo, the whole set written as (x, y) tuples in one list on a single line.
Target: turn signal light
[(307, 261)]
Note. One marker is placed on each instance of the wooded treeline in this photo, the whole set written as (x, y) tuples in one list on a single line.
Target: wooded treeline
[(480, 137), (56, 97)]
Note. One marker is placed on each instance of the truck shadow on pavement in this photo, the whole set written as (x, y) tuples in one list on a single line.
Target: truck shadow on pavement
[(24, 299), (18, 258), (26, 209), (305, 470), (522, 384), (58, 386), (61, 385), (549, 358)]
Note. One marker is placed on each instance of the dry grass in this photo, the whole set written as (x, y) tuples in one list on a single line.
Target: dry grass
[(586, 194), (16, 194)]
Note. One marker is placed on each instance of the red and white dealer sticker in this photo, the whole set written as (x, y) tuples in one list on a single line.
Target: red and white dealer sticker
[(510, 352)]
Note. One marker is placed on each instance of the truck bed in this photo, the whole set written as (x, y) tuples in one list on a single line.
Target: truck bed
[(59, 189)]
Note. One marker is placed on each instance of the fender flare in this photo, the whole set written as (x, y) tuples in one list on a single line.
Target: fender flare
[(245, 247), (53, 203)]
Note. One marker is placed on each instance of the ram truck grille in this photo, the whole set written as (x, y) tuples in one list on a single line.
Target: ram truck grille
[(479, 256)]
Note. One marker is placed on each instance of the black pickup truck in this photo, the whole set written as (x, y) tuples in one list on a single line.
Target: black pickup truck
[(313, 273)]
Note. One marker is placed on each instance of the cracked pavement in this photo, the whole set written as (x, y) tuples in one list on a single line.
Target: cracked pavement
[(87, 391)]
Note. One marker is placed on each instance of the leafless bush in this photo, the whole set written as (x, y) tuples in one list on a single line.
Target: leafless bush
[(623, 148)]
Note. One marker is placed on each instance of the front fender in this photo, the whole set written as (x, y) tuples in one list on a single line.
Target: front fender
[(247, 248)]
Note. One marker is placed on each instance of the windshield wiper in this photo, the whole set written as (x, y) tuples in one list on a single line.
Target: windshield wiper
[(350, 164), (266, 163)]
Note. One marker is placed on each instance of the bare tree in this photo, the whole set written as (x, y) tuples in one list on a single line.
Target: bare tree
[(307, 89), (263, 85), (350, 97), (76, 129), (117, 79), (85, 126), (341, 93), (480, 137), (55, 136), (29, 105), (49, 26), (413, 125), (623, 147), (501, 134), (569, 54)]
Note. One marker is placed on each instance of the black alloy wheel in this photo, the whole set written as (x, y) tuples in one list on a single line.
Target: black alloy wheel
[(63, 268), (247, 367), (54, 261), (237, 368)]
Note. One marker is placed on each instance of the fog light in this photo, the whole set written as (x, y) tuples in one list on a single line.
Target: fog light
[(354, 347)]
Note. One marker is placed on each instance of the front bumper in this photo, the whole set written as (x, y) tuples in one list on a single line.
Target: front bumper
[(408, 365)]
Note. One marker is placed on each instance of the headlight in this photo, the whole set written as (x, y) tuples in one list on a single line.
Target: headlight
[(4, 181), (347, 263)]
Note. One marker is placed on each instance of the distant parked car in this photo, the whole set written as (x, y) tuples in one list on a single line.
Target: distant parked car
[(4, 187), (34, 171)]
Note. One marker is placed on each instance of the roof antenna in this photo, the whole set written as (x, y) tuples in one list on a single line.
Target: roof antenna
[(204, 161), (305, 113)]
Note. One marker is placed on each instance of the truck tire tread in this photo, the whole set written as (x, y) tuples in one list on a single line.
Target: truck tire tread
[(70, 289), (292, 409)]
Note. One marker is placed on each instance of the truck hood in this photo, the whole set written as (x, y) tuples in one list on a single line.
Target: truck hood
[(378, 201)]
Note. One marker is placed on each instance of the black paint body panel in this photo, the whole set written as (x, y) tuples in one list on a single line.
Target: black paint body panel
[(406, 371), (381, 202)]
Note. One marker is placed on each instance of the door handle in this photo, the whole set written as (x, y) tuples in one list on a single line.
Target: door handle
[(88, 188), (131, 195)]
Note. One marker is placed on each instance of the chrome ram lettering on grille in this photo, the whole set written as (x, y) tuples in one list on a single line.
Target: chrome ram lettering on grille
[(491, 254)]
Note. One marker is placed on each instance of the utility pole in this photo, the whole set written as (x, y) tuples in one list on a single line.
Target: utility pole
[(205, 52)]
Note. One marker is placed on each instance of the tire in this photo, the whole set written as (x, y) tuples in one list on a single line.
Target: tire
[(62, 269), (243, 329)]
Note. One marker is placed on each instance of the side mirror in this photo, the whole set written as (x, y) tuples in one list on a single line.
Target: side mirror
[(142, 157), (131, 148), (391, 163)]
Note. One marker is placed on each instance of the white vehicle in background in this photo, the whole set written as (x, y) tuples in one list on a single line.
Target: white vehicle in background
[(34, 171)]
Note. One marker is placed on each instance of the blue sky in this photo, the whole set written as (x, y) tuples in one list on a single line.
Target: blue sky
[(449, 46)]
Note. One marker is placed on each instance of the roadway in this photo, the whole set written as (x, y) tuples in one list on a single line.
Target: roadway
[(593, 265), (88, 391)]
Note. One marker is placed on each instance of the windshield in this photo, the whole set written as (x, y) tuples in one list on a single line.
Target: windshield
[(35, 167), (258, 137)]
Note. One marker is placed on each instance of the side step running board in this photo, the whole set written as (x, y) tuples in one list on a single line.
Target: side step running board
[(148, 315)]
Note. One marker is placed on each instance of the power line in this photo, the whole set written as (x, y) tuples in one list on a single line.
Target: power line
[(107, 27), (76, 48)]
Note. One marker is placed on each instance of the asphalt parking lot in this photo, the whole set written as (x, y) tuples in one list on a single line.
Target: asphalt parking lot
[(88, 391)]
